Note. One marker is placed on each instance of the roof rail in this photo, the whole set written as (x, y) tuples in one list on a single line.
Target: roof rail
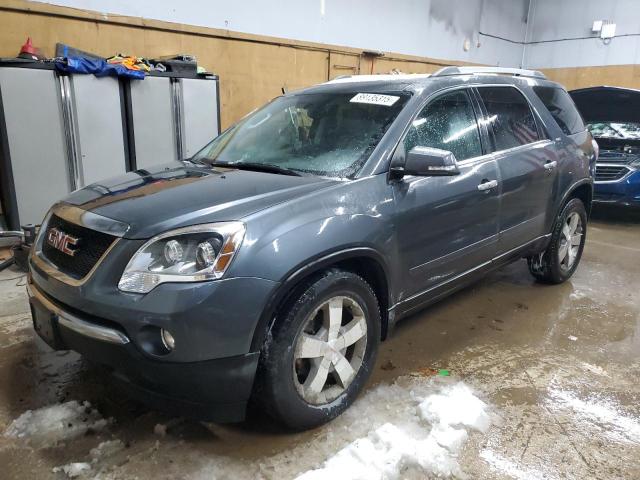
[(516, 72)]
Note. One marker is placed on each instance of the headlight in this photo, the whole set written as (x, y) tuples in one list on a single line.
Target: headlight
[(190, 254)]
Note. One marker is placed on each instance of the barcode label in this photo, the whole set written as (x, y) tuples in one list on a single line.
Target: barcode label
[(375, 99)]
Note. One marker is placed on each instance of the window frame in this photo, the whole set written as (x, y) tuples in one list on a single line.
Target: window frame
[(477, 113), (542, 133), (557, 87)]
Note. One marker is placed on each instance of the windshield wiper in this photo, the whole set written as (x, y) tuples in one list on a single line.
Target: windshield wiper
[(258, 167)]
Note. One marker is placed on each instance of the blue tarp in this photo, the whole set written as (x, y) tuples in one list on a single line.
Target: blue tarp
[(99, 68)]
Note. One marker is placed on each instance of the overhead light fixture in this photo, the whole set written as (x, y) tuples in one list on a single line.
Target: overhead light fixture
[(606, 28)]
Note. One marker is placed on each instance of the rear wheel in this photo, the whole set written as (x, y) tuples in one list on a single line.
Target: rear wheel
[(561, 258), (322, 350)]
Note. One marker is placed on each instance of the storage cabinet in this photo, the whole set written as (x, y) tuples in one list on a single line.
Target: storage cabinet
[(35, 166), (61, 132)]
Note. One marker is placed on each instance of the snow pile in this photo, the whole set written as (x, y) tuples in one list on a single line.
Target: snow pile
[(102, 451), (106, 449), (390, 450), (73, 470), (457, 406), (50, 425)]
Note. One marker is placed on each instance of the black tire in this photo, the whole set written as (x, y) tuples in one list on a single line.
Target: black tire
[(276, 391), (547, 267)]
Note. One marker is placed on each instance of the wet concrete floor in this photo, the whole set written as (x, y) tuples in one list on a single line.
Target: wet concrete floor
[(558, 365)]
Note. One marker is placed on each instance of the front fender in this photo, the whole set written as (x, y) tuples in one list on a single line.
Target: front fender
[(294, 254), (305, 270), (287, 242), (569, 192), (278, 253), (352, 214)]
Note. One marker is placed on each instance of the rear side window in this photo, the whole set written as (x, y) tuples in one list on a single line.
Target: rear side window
[(562, 108), (509, 117), (448, 123)]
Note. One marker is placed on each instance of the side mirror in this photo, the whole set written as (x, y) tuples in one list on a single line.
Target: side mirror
[(427, 162)]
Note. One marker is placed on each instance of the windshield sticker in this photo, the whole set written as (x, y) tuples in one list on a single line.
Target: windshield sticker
[(375, 99)]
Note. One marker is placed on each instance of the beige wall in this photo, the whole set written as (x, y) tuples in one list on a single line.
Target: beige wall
[(579, 77), (253, 69)]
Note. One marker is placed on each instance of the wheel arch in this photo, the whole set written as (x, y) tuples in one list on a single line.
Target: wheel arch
[(582, 190), (364, 261)]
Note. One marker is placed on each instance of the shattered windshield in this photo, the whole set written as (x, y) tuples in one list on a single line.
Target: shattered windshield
[(625, 131), (326, 134)]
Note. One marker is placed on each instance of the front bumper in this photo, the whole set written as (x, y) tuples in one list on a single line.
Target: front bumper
[(208, 320), (213, 390), (206, 371), (625, 192)]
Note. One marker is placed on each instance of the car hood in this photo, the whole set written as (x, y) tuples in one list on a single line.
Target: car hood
[(607, 104), (176, 195)]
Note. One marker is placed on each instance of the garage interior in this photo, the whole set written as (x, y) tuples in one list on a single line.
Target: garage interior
[(557, 366)]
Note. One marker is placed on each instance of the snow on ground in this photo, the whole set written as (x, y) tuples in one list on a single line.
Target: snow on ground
[(413, 428), (609, 417), (408, 430), (98, 455), (427, 443), (50, 425), (106, 449), (511, 468), (73, 470)]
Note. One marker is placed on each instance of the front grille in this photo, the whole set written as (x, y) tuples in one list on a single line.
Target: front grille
[(90, 248), (607, 173), (609, 156)]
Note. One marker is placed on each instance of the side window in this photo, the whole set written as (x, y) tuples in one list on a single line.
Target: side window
[(448, 123), (509, 116), (562, 108)]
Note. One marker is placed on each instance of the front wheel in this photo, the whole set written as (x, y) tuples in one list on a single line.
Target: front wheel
[(321, 351), (561, 258)]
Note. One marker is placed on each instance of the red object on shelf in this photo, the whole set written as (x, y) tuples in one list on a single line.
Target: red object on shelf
[(28, 48)]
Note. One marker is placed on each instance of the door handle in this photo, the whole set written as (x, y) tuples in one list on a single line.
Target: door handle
[(487, 185), (550, 165)]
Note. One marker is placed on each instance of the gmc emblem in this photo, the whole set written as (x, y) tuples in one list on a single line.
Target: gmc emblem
[(62, 241)]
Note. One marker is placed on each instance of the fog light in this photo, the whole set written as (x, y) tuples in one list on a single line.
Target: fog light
[(167, 339)]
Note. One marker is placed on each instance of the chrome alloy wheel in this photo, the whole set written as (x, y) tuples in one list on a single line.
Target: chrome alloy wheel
[(329, 350), (570, 241)]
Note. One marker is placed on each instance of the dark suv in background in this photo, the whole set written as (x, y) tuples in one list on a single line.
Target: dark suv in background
[(272, 263)]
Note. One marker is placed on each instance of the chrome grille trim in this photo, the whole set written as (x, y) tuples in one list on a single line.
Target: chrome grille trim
[(90, 220), (611, 172), (85, 219)]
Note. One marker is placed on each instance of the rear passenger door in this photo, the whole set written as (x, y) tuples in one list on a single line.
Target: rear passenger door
[(446, 226), (527, 163)]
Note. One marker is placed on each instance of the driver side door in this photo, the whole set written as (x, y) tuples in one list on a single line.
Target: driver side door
[(447, 226)]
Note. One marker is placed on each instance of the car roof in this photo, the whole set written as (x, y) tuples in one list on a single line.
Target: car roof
[(447, 76)]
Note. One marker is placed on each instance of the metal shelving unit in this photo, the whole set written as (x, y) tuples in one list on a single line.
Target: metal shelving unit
[(60, 132)]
